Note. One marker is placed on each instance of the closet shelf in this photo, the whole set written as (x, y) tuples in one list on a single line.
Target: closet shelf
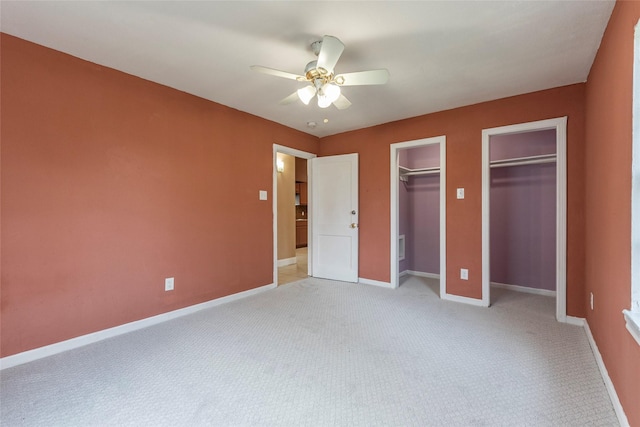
[(529, 160), (420, 171)]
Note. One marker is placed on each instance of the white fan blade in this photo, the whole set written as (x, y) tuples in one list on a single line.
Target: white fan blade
[(342, 102), (372, 77), (330, 52), (278, 73), (289, 99)]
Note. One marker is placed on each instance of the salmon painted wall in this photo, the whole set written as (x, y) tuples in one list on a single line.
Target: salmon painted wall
[(111, 183), (463, 130), (608, 204)]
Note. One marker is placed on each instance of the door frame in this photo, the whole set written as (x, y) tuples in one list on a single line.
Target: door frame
[(395, 220), (304, 155), (560, 126)]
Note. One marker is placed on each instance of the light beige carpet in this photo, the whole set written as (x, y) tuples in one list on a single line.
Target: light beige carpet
[(329, 354)]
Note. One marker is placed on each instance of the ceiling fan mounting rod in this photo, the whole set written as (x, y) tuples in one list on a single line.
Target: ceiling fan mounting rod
[(316, 46)]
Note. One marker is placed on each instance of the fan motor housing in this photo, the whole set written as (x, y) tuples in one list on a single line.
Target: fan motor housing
[(312, 72)]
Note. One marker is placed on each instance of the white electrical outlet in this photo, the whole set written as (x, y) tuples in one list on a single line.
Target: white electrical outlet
[(591, 300), (464, 274), (262, 195), (168, 284)]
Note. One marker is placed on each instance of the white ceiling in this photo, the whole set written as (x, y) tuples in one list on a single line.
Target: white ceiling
[(441, 54)]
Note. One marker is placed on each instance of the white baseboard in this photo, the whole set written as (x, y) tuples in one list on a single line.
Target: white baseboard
[(617, 406), (632, 319), (59, 347), (423, 274), (403, 273), (577, 321), (473, 301), (525, 289), (448, 297), (286, 261), (464, 300), (375, 283)]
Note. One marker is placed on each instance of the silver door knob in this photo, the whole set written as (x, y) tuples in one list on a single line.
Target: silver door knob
[(354, 225)]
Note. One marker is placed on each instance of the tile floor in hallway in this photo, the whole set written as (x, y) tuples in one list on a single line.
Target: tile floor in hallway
[(294, 272)]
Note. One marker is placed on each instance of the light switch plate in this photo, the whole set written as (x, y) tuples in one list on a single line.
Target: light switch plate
[(464, 274), (168, 284), (460, 193), (263, 195)]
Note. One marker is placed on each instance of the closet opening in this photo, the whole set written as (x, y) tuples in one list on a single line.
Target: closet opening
[(417, 213), (524, 212)]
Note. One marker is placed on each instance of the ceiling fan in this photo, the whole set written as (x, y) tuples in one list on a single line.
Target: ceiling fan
[(322, 80)]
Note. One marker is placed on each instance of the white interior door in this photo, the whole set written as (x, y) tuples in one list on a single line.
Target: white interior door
[(334, 188)]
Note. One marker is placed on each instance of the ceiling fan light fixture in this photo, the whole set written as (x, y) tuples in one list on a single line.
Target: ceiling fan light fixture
[(323, 101), (328, 94), (306, 93), (320, 76), (331, 91)]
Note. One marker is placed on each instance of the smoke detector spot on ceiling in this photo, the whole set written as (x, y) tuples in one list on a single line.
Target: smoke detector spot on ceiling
[(311, 125)]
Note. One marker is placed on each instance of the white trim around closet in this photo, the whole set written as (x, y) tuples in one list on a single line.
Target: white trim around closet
[(395, 182), (560, 125)]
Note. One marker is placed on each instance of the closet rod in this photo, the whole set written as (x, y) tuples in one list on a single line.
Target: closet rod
[(422, 172), (405, 170), (530, 160)]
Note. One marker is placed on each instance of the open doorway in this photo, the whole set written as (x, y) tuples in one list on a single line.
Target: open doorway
[(524, 210), (418, 238), (292, 205), (291, 223)]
